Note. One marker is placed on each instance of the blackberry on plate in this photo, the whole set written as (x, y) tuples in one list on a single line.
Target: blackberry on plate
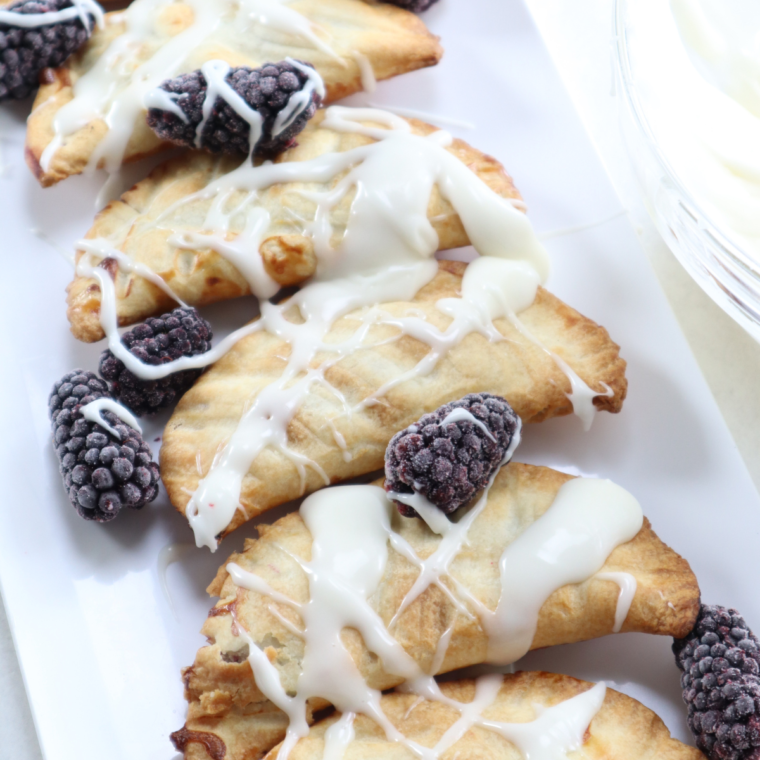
[(720, 660), (26, 51), (449, 463), (415, 6), (102, 472), (182, 332), (267, 90)]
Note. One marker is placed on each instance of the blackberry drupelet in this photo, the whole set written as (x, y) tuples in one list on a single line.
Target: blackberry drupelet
[(182, 332), (449, 464), (267, 90), (720, 660), (26, 51), (415, 6), (102, 472), (69, 394)]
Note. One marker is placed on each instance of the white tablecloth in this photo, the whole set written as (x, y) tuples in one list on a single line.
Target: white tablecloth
[(578, 36)]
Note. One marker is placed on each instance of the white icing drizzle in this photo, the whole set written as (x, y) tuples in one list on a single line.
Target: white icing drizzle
[(385, 255), (435, 568), (557, 730), (265, 423), (101, 249), (627, 584), (114, 89), (215, 73), (351, 528), (348, 277), (278, 15), (442, 648), (92, 413), (462, 415), (81, 9), (431, 118), (568, 544), (541, 561), (300, 100), (109, 323), (366, 72), (165, 101), (339, 736)]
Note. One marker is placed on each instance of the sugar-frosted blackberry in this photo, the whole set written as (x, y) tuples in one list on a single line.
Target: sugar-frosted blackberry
[(268, 90), (449, 463), (415, 6), (102, 472), (720, 660), (182, 332), (26, 51)]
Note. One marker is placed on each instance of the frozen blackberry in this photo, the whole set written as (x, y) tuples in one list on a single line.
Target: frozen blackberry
[(269, 90), (102, 472), (415, 6), (182, 332), (720, 660), (449, 463), (26, 51)]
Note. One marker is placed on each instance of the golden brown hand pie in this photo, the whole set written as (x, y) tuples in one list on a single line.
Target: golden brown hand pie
[(225, 704), (623, 729), (515, 368), (393, 40), (141, 224)]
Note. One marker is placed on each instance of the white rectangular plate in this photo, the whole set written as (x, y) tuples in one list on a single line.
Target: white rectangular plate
[(99, 644)]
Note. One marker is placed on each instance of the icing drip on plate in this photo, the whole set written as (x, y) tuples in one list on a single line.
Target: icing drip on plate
[(351, 530)]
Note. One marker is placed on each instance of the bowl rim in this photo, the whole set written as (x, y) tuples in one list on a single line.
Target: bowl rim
[(748, 263)]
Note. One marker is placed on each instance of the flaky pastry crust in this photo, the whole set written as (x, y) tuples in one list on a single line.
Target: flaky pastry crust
[(141, 223), (623, 729), (394, 40), (224, 701), (514, 368)]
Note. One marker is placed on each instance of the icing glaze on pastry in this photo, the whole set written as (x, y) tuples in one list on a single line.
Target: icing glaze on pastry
[(81, 9), (339, 736), (92, 413), (537, 555), (115, 88), (385, 255), (101, 249), (627, 584), (351, 531), (369, 83)]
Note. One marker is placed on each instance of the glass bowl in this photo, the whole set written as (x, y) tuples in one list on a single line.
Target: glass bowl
[(729, 275)]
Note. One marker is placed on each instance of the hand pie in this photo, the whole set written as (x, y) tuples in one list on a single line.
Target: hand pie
[(163, 40), (442, 628), (341, 444), (142, 223), (622, 728)]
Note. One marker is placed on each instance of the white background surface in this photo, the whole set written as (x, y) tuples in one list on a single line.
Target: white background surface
[(99, 643)]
